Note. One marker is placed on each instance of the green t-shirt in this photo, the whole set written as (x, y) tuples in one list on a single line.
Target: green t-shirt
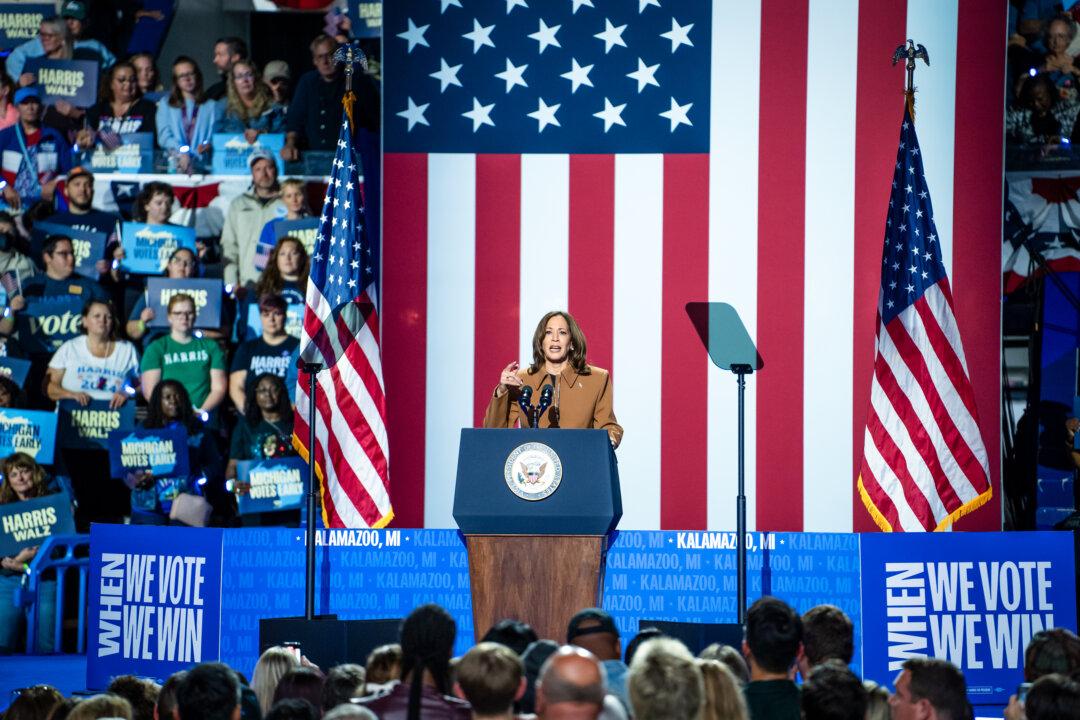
[(189, 364)]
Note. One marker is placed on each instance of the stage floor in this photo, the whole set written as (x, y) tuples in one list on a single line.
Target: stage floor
[(67, 673)]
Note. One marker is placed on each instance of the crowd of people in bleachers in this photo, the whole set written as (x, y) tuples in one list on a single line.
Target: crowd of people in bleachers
[(513, 674), (230, 387)]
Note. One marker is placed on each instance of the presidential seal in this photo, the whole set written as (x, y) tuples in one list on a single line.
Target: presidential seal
[(533, 471)]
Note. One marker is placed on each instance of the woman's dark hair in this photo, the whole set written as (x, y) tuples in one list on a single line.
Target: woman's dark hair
[(427, 642), (303, 683), (34, 703), (194, 256), (155, 418), (271, 282), (17, 394), (176, 98), (292, 709), (107, 81), (575, 356), (1027, 91), (108, 306), (149, 190), (252, 411)]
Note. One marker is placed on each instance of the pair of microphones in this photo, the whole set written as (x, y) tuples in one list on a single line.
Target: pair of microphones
[(534, 413)]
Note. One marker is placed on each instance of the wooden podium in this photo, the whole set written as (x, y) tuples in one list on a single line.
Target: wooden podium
[(536, 554)]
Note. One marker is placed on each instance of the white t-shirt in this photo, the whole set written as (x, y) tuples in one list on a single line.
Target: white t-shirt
[(97, 377)]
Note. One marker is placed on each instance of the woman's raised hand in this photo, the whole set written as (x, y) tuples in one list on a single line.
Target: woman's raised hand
[(508, 379)]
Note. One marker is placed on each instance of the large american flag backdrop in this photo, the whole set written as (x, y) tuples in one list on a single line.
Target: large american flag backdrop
[(619, 158)]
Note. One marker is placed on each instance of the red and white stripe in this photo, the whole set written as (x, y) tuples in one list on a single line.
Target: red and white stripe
[(784, 219)]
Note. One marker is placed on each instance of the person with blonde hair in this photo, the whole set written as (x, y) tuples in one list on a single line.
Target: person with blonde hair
[(273, 664), (723, 693), (248, 107), (102, 706)]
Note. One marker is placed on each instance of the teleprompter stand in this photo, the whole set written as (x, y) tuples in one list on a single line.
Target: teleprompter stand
[(730, 348)]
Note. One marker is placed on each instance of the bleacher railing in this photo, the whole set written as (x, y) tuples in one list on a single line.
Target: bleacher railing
[(57, 555)]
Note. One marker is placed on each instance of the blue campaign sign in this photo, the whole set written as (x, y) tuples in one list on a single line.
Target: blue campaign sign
[(28, 522), (294, 321), (974, 599), (147, 247), (303, 229), (73, 81), (46, 322), (231, 152), (29, 431), (89, 246), (15, 369), (134, 154), (366, 17), (88, 428), (275, 484), (155, 601), (206, 293), (162, 451), (20, 22)]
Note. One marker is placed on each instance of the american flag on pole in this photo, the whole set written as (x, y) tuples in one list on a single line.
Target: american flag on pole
[(924, 463), (341, 331), (751, 166)]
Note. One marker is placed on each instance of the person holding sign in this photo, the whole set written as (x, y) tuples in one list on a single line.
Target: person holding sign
[(152, 498), (249, 106), (265, 431), (32, 157), (268, 353), (182, 264), (122, 110), (23, 479), (196, 362), (94, 366), (186, 117)]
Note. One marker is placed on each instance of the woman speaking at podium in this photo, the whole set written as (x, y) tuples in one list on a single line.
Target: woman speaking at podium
[(580, 393)]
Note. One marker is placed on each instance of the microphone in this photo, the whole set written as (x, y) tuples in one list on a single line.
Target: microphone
[(525, 403), (547, 393)]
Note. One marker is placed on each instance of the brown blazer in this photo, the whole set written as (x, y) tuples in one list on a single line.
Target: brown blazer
[(581, 401)]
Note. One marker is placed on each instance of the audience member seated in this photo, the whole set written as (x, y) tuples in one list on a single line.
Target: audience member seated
[(833, 692), (52, 34), (828, 634), (271, 666), (58, 280), (427, 642), (571, 685), (594, 630), (94, 366), (383, 666), (140, 693), (34, 156), (343, 683), (154, 499), (277, 77), (186, 117), (490, 678), (301, 683), (245, 218), (723, 698), (533, 660), (248, 108), (664, 682), (730, 657), (265, 430), (75, 17), (81, 213), (122, 110), (773, 637), (227, 52), (932, 689), (11, 395), (1042, 116), (513, 634), (1051, 697), (1057, 62), (34, 703), (1051, 651), (182, 264), (166, 699), (210, 691), (314, 119), (9, 113), (196, 362), (146, 73), (12, 245), (154, 203), (23, 479), (268, 353), (286, 273)]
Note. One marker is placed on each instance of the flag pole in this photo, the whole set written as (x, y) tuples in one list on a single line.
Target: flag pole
[(312, 369), (910, 52)]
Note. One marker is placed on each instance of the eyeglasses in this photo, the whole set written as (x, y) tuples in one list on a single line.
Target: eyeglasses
[(244, 76)]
